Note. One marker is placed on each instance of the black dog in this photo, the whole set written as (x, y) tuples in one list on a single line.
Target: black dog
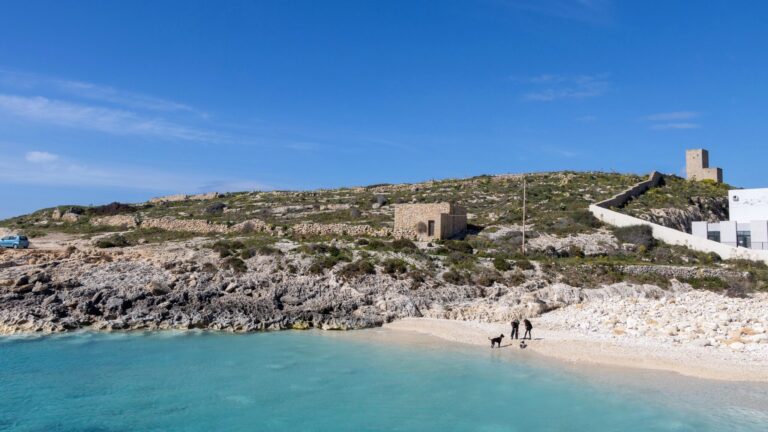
[(496, 341)]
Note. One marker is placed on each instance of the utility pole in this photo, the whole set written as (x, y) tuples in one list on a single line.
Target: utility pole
[(525, 186)]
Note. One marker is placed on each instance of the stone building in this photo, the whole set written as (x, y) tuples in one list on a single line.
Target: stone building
[(697, 166), (430, 221)]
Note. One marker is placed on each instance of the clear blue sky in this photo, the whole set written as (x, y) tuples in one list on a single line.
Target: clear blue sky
[(108, 100)]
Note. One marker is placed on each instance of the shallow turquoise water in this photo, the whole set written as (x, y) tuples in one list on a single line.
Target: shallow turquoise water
[(312, 381)]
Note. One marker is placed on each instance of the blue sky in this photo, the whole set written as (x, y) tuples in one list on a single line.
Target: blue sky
[(103, 101)]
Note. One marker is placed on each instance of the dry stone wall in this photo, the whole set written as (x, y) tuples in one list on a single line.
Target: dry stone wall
[(340, 229), (253, 225), (126, 221), (635, 191), (189, 225)]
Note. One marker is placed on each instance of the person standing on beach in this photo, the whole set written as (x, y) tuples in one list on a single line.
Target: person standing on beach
[(528, 328), (515, 329)]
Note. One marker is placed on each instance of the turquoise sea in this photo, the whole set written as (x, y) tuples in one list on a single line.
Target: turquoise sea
[(353, 381)]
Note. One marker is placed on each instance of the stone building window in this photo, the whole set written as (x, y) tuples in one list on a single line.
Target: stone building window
[(430, 228)]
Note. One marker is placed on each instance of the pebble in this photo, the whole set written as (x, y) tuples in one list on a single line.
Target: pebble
[(699, 319)]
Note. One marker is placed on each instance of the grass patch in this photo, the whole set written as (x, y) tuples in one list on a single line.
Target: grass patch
[(357, 269)]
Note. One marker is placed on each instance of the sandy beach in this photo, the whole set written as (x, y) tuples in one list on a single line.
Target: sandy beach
[(571, 347)]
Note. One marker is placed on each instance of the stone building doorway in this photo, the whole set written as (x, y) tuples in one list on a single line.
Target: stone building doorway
[(431, 228)]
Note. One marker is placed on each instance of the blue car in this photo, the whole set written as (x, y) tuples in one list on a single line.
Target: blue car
[(15, 242)]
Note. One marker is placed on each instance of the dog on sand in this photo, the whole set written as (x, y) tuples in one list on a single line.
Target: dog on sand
[(496, 342)]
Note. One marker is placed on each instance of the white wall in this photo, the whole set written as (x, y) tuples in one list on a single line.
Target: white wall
[(675, 237), (747, 205), (759, 231), (728, 232), (700, 229)]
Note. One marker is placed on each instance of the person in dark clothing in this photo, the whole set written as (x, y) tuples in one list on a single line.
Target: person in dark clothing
[(528, 328), (515, 329)]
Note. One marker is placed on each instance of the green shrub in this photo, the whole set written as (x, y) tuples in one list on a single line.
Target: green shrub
[(374, 244), (591, 276), (460, 260), (395, 266), (235, 264), (516, 278), (228, 248), (248, 253), (357, 269), (713, 257), (316, 268), (708, 283), (417, 277), (323, 262), (458, 246), (524, 264), (501, 264), (586, 218), (268, 250), (403, 245), (116, 240), (487, 278), (112, 209), (640, 235), (454, 277), (575, 252)]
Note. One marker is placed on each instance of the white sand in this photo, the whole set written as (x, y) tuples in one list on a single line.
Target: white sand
[(700, 362)]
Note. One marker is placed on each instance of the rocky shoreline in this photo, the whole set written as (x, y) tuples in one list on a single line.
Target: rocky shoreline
[(675, 319), (177, 286)]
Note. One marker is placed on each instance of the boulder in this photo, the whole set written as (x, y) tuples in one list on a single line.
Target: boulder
[(116, 304), (157, 287), (40, 288), (70, 217), (53, 298)]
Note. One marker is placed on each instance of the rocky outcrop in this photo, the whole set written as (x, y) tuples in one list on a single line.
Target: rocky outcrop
[(676, 317), (66, 216), (591, 244), (123, 221), (184, 288), (682, 273), (186, 285), (532, 300), (183, 197), (699, 209)]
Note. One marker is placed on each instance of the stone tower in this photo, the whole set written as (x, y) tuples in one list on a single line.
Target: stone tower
[(697, 166)]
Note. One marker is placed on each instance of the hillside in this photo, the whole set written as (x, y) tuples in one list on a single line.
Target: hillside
[(677, 203), (327, 258), (557, 202)]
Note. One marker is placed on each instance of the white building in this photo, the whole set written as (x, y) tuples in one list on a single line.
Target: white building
[(748, 224)]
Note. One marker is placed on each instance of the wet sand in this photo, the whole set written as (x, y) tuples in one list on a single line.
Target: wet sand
[(699, 362)]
